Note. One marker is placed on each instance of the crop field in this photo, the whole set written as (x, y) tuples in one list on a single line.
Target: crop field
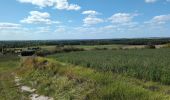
[(146, 64)]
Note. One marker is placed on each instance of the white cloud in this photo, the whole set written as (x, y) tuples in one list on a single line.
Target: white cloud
[(90, 12), (58, 4), (150, 1), (37, 17), (6, 26), (40, 3), (91, 20), (122, 18), (161, 19), (153, 1), (63, 4)]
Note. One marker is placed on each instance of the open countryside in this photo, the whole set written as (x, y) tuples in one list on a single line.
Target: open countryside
[(85, 50)]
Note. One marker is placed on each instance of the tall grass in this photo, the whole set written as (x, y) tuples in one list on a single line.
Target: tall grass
[(8, 89), (147, 64), (69, 82), (8, 62)]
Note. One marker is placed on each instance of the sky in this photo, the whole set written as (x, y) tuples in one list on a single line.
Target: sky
[(83, 19)]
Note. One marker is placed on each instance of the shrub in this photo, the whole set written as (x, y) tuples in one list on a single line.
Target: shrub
[(96, 48), (150, 46), (43, 53), (70, 49)]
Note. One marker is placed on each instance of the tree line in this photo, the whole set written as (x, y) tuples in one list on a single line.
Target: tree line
[(19, 44)]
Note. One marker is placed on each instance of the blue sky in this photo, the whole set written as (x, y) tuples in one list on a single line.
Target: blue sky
[(83, 19)]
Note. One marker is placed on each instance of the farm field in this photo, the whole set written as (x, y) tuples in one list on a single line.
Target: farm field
[(147, 64)]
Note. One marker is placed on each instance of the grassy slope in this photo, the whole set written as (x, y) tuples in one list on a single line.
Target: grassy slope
[(147, 64), (8, 90), (64, 81)]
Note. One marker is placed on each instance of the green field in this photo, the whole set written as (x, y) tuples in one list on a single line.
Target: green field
[(69, 82), (147, 64), (122, 74)]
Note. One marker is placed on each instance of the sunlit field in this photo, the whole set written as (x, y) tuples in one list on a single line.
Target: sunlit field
[(147, 64)]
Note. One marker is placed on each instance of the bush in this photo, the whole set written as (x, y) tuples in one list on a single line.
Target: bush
[(70, 49), (58, 50), (96, 48), (150, 46), (43, 53)]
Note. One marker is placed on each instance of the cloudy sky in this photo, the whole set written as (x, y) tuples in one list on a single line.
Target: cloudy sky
[(83, 19)]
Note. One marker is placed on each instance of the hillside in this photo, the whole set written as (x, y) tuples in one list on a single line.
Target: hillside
[(70, 82)]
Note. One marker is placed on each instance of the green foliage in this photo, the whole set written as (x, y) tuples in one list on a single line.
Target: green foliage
[(8, 89), (147, 64), (150, 46), (167, 45), (69, 82), (57, 49), (8, 62), (19, 44)]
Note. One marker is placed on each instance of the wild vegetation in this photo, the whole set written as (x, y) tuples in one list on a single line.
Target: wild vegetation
[(147, 64), (67, 70), (70, 82), (57, 49), (8, 89)]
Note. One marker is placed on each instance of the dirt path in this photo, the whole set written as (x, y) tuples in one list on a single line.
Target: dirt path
[(33, 95)]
